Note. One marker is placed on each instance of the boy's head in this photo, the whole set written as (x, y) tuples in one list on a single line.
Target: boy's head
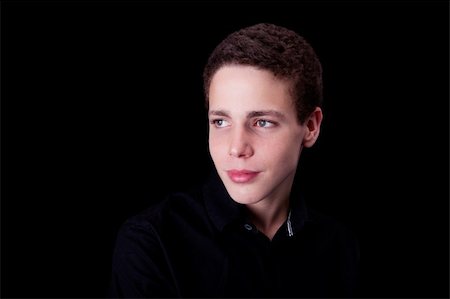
[(278, 50)]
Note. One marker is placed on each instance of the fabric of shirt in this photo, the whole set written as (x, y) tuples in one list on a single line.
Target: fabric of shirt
[(201, 243)]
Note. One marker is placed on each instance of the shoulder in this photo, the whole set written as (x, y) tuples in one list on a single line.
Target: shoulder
[(336, 245), (174, 210), (323, 221), (330, 230)]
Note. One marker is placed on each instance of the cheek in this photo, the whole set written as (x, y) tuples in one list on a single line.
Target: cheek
[(216, 147), (283, 155)]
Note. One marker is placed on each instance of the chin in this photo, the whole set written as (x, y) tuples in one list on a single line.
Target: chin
[(244, 197), (246, 193)]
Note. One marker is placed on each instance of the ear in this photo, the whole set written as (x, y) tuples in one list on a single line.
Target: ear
[(312, 127)]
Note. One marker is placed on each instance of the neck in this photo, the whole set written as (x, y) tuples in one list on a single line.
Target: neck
[(268, 216)]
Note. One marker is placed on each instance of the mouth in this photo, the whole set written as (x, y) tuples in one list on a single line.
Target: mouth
[(242, 176)]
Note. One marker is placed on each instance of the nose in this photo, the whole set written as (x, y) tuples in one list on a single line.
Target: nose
[(240, 145)]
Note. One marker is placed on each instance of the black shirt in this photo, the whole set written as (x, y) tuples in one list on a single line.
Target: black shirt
[(201, 244)]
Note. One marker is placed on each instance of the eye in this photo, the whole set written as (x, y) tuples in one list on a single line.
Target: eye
[(220, 123), (263, 123)]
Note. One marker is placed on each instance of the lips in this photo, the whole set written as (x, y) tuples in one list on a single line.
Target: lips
[(242, 176)]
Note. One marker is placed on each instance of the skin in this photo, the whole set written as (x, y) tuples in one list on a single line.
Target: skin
[(254, 126)]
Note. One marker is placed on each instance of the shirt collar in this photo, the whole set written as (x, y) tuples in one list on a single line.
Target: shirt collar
[(223, 210), (299, 213)]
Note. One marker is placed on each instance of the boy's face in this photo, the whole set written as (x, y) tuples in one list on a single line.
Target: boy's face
[(255, 139)]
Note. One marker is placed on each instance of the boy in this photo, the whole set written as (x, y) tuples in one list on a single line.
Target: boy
[(247, 231)]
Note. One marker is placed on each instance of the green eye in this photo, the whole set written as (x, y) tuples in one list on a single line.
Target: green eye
[(263, 123), (219, 123)]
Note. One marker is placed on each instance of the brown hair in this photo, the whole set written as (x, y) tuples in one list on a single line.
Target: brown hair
[(276, 49)]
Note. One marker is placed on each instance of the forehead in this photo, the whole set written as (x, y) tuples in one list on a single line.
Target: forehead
[(238, 86)]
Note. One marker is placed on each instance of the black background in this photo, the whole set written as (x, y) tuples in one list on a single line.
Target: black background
[(102, 115)]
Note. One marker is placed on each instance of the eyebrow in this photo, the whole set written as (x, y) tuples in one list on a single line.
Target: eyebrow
[(250, 114)]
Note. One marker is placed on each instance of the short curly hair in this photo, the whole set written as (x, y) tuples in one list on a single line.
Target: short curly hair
[(276, 49)]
